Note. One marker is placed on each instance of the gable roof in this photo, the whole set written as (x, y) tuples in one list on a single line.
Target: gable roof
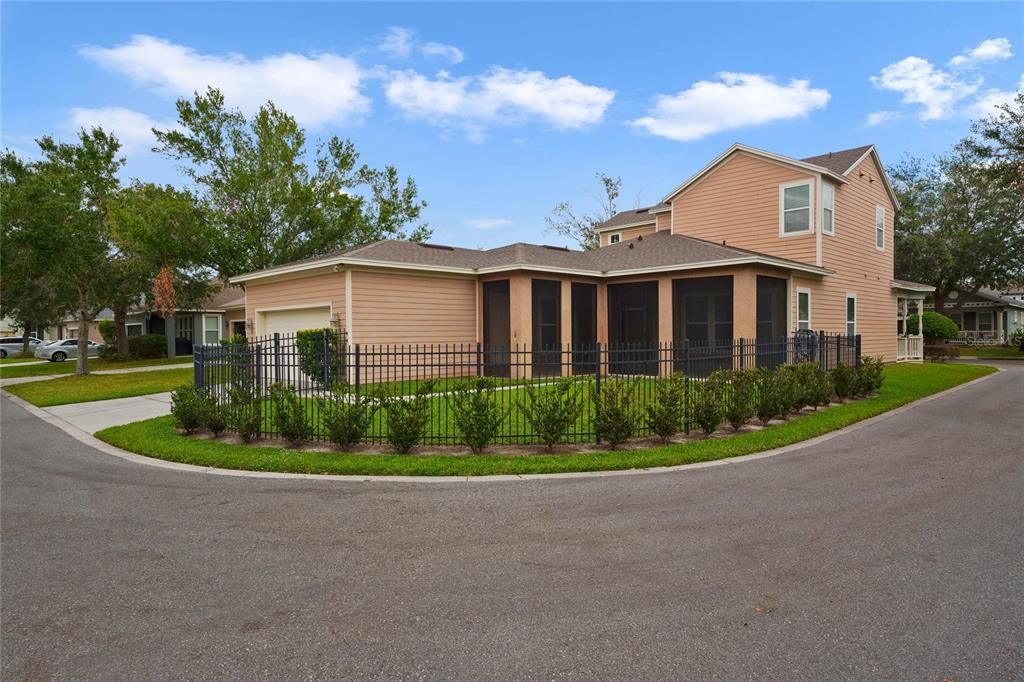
[(632, 217), (841, 162), (655, 252)]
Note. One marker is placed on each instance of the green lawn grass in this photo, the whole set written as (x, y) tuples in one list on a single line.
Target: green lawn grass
[(11, 360), (68, 366), (81, 389), (991, 352), (903, 384)]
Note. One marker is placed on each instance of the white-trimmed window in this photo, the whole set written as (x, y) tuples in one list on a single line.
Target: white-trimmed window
[(851, 314), (184, 327), (828, 208), (133, 329), (615, 238), (985, 320), (211, 329), (880, 228), (803, 309), (795, 208)]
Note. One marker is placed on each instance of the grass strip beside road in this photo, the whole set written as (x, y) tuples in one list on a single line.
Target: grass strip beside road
[(992, 352), (68, 366), (903, 384), (83, 389)]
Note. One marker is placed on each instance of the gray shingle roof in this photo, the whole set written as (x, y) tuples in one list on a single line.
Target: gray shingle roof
[(633, 215), (838, 162)]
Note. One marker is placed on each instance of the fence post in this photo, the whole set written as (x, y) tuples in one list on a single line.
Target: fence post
[(597, 383), (479, 361), (357, 370), (257, 353), (197, 360), (326, 358), (839, 349), (686, 386), (743, 353), (277, 356), (857, 346), (822, 355)]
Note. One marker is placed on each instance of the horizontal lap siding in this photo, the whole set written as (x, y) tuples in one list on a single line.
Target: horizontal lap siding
[(311, 290), (739, 202), (860, 268), (401, 308), (663, 221)]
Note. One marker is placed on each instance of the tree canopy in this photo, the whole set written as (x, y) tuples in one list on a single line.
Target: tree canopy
[(961, 217), (581, 228), (267, 203)]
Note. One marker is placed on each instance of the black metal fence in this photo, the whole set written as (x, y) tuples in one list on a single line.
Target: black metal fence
[(322, 365)]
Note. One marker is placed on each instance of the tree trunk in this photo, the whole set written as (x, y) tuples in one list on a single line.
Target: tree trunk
[(939, 301), (82, 363), (120, 331), (24, 340), (171, 334)]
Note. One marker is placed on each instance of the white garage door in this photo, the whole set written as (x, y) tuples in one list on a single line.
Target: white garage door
[(291, 321)]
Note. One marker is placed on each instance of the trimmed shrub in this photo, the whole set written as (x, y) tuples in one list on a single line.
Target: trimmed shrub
[(408, 418), (771, 394), (869, 375), (246, 414), (844, 381), (552, 410), (707, 406), (615, 419), (216, 417), (790, 391), (665, 415), (477, 413), (812, 384), (310, 345), (147, 346), (108, 331), (289, 414), (941, 353), (190, 406), (935, 327), (346, 419), (741, 402)]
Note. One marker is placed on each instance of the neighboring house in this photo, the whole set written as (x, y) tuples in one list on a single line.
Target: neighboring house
[(754, 246), (985, 316), (222, 316)]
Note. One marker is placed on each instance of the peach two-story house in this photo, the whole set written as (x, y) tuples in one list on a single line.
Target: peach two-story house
[(753, 246)]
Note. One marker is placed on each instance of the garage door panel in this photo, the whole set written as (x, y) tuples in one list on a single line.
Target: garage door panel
[(290, 321)]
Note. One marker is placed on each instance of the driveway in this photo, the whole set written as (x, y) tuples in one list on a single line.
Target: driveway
[(892, 552)]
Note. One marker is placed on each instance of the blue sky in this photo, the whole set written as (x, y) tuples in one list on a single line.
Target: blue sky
[(500, 111)]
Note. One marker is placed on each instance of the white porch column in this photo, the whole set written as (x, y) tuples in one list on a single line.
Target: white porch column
[(920, 315)]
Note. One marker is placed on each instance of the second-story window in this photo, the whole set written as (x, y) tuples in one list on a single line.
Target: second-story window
[(828, 208), (614, 238), (880, 228), (795, 205)]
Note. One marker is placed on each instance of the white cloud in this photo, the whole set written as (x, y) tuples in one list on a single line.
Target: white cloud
[(879, 117), (315, 89), (920, 82), (487, 223), (400, 43), (397, 42), (993, 49), (498, 97), (132, 128), (736, 100), (449, 52), (986, 104)]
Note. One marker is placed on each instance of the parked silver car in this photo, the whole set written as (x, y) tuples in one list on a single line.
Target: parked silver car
[(62, 349), (12, 345)]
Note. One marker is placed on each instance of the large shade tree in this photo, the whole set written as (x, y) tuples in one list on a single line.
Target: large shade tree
[(32, 294), (268, 200), (578, 226), (961, 218)]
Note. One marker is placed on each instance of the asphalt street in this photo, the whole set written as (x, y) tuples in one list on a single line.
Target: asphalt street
[(895, 551)]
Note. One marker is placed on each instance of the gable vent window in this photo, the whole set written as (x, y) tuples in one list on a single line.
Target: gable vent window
[(614, 238), (795, 208), (828, 208)]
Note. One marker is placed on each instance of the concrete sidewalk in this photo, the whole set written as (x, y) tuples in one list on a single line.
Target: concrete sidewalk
[(97, 415), (127, 370)]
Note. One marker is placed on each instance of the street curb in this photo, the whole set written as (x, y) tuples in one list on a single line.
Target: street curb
[(106, 448)]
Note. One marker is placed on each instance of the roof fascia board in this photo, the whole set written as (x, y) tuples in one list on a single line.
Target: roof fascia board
[(624, 226)]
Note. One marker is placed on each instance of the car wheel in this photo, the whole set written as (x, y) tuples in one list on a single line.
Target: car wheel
[(59, 356), (3, 353)]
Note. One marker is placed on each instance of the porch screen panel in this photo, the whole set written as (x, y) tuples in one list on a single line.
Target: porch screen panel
[(497, 329), (633, 327), (771, 321), (702, 314), (547, 326), (584, 327)]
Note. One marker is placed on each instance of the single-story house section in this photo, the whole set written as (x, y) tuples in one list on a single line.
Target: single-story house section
[(754, 246), (985, 316)]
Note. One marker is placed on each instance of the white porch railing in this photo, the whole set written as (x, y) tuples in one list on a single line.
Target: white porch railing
[(980, 337), (909, 348)]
